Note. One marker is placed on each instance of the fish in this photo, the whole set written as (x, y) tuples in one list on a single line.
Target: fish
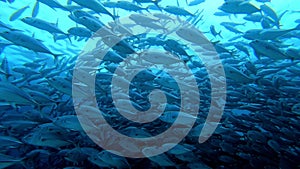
[(267, 23), (255, 17), (268, 49), (155, 2), (239, 7), (173, 46), (3, 25), (110, 4), (80, 13), (113, 160), (69, 122), (232, 29), (237, 75), (267, 34), (214, 32), (256, 136), (61, 84), (293, 53), (80, 31), (296, 109), (274, 145), (7, 161), (242, 47), (52, 4), (177, 11), (28, 42), (232, 24), (5, 68), (117, 27), (129, 6), (48, 135), (118, 44), (14, 95), (18, 13), (95, 6), (192, 35), (195, 2), (45, 141), (268, 11), (35, 9), (114, 57), (95, 159), (221, 14), (90, 23), (43, 25), (8, 142), (142, 18)]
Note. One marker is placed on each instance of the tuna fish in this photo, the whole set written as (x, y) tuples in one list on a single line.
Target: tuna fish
[(26, 41)]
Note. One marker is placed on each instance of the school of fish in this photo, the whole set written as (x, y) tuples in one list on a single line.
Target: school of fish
[(260, 127)]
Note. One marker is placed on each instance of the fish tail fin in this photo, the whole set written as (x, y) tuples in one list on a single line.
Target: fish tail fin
[(69, 37), (282, 14), (156, 4), (56, 57), (147, 9), (298, 27), (220, 34)]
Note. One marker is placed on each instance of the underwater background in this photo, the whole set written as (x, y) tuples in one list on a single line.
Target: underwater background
[(257, 42)]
